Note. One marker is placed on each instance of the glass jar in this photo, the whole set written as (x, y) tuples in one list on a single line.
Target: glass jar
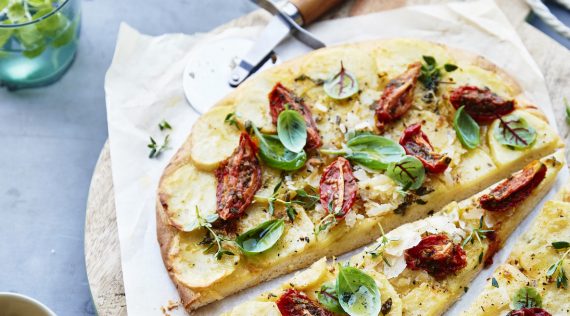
[(38, 41)]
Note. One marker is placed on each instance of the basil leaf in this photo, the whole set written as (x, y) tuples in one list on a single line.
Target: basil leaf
[(261, 237), (275, 155), (328, 298), (342, 85), (561, 244), (292, 130), (374, 152), (513, 131), (466, 128), (527, 297), (357, 292), (408, 172)]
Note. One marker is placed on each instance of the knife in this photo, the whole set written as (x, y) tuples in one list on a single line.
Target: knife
[(288, 18)]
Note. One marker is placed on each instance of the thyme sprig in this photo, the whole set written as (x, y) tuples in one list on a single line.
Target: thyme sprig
[(302, 198), (477, 233), (156, 149), (380, 247), (212, 239), (164, 125), (558, 266)]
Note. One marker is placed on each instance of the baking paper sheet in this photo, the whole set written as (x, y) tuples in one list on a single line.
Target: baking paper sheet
[(144, 86)]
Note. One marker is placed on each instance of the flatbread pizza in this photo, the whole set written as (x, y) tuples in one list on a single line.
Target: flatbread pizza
[(419, 268), (306, 159)]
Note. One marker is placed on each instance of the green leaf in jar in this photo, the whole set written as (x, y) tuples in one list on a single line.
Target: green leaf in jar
[(4, 4), (357, 292), (275, 155), (342, 85), (5, 33), (17, 12), (466, 128), (514, 131), (527, 297), (292, 130), (51, 25), (328, 298), (31, 39), (261, 237), (68, 34), (409, 172), (374, 152)]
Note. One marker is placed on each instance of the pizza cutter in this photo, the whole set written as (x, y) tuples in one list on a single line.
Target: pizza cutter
[(215, 67)]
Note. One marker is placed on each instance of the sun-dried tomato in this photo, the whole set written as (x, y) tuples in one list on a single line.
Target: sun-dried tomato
[(279, 97), (397, 97), (295, 303), (437, 255), (493, 247), (239, 177), (483, 105), (417, 144), (535, 311), (338, 188), (516, 188)]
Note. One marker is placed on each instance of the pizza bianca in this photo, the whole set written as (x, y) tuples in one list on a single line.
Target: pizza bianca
[(533, 281), (305, 160), (419, 268)]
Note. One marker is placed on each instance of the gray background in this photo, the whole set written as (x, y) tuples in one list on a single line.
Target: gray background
[(50, 140)]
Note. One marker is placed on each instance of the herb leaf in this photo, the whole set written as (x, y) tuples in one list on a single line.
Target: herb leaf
[(566, 106), (292, 130), (212, 238), (514, 131), (561, 244), (261, 237), (527, 297), (342, 85), (275, 155), (450, 67), (164, 125), (357, 292), (328, 298), (374, 152), (466, 128), (494, 283), (409, 172), (156, 149)]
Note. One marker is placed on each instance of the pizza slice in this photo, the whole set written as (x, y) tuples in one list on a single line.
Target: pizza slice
[(533, 281), (306, 159), (419, 268)]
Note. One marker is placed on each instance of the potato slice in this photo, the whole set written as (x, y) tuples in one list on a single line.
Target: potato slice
[(212, 140), (183, 191), (255, 308), (194, 268)]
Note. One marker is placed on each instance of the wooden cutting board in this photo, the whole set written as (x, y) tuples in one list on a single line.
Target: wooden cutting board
[(102, 253)]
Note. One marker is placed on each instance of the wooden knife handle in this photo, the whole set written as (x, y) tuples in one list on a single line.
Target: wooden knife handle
[(311, 10)]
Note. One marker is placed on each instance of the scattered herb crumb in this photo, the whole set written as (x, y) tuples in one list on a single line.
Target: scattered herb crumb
[(495, 283), (156, 149), (163, 125)]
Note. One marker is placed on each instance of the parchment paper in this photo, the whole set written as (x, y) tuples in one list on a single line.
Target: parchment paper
[(144, 86)]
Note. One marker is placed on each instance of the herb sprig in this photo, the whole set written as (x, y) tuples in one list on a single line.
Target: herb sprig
[(430, 75), (477, 233), (302, 198), (212, 239), (378, 251), (558, 266), (155, 148), (164, 125)]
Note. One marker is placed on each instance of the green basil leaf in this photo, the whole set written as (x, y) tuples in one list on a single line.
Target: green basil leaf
[(342, 85), (374, 152), (292, 130), (328, 298), (527, 297), (357, 292), (466, 128), (514, 131), (561, 244), (275, 155), (408, 172), (261, 237)]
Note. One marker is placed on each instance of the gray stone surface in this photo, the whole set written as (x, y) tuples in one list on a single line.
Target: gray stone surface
[(50, 139)]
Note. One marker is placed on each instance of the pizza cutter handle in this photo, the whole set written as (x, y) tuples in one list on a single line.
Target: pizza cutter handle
[(311, 10)]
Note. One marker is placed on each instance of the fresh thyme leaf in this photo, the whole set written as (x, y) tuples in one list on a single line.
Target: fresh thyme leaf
[(494, 283), (231, 119), (164, 125), (567, 107), (558, 266), (429, 60), (155, 149), (306, 200), (325, 224), (291, 212), (450, 67), (561, 244), (212, 239), (477, 233), (430, 75)]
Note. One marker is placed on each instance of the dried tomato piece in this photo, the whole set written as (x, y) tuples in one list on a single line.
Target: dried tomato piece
[(437, 255), (516, 188), (535, 311), (417, 144), (338, 187), (482, 104), (397, 97), (239, 177), (295, 303), (280, 96), (493, 247)]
